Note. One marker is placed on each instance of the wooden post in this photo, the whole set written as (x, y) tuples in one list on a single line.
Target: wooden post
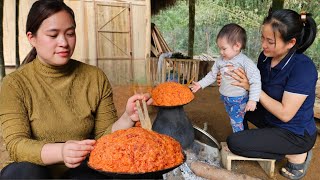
[(131, 43), (148, 29), (17, 34), (192, 12), (179, 70), (2, 66), (84, 36), (94, 46), (67, 2), (164, 70), (277, 4)]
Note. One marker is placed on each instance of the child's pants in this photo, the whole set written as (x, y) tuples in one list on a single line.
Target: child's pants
[(235, 107)]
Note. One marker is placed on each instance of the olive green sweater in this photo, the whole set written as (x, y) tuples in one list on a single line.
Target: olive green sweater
[(42, 104)]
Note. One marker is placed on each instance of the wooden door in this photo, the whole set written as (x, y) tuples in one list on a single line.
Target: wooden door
[(113, 26)]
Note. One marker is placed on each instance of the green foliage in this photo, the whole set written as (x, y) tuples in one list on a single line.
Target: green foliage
[(310, 6), (211, 15)]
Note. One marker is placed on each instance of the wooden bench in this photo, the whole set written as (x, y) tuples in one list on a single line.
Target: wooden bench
[(268, 165)]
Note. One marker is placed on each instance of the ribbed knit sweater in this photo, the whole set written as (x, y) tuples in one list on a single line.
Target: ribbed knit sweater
[(226, 88), (42, 104)]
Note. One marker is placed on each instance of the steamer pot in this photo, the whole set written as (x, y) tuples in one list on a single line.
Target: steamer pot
[(204, 137)]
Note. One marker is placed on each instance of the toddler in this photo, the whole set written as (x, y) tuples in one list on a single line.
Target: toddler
[(231, 40)]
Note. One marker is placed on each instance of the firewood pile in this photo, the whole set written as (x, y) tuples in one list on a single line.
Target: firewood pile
[(198, 152), (158, 43)]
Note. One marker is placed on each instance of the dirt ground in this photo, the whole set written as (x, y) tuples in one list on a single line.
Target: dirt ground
[(206, 107)]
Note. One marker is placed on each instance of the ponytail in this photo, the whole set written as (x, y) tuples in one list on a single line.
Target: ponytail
[(30, 56), (309, 32)]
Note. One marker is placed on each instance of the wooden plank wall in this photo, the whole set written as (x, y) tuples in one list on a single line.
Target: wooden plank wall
[(121, 66), (85, 50), (126, 72), (86, 33), (9, 37), (113, 26)]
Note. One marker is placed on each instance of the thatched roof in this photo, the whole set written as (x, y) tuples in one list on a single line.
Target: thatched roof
[(157, 5)]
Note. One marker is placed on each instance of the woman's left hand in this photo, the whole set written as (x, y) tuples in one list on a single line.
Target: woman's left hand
[(242, 79), (74, 152), (131, 109)]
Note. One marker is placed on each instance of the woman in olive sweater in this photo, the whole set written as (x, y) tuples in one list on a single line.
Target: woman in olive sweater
[(53, 107)]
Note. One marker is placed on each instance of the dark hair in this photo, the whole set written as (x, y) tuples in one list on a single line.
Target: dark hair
[(290, 25), (41, 10), (234, 34)]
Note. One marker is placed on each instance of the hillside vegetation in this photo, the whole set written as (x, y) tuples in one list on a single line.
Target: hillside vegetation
[(211, 15)]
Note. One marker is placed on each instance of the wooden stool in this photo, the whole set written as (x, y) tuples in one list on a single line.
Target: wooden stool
[(268, 165)]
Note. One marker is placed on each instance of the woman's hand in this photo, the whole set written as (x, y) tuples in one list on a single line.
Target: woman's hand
[(241, 77), (195, 86), (130, 116), (74, 152), (131, 108)]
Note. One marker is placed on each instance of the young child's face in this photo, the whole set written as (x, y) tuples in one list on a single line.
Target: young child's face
[(227, 50)]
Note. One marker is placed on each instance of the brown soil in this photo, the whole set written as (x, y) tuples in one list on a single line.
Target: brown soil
[(206, 107)]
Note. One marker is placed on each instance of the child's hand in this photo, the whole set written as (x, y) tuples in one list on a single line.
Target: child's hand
[(195, 86), (251, 106)]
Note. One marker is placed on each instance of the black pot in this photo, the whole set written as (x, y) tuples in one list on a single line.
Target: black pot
[(204, 137), (174, 122), (147, 175)]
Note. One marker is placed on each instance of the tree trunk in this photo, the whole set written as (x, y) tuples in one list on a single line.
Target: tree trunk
[(173, 35), (2, 67), (17, 35), (192, 12), (277, 4), (207, 41)]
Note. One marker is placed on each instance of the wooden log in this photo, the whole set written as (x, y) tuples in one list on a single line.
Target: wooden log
[(165, 45), (156, 42), (154, 51), (213, 173)]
